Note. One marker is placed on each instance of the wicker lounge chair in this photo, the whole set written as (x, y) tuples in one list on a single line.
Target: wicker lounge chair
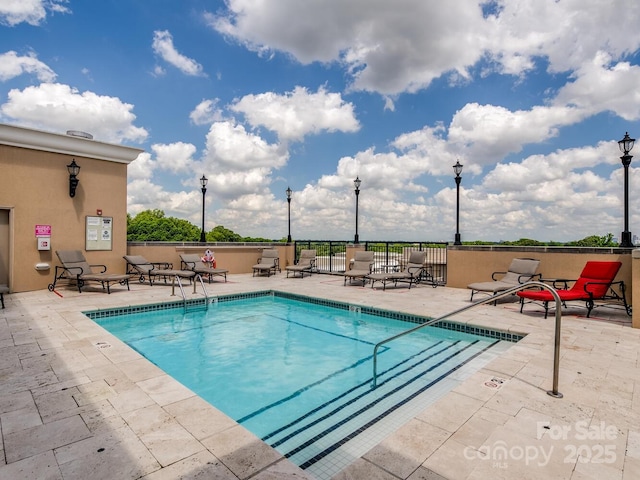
[(306, 263), (414, 271), (193, 262), (595, 283), (75, 269), (520, 271), (268, 262), (361, 267), (138, 265)]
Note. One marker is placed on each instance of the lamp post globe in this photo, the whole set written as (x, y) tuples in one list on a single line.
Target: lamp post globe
[(203, 183), (457, 169), (625, 145)]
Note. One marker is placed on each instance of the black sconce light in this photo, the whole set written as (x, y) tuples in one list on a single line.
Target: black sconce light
[(73, 168)]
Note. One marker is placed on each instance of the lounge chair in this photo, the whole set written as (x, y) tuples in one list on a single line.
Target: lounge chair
[(361, 267), (306, 263), (268, 262), (595, 283), (75, 269), (520, 271), (3, 289), (193, 262), (413, 272), (138, 265)]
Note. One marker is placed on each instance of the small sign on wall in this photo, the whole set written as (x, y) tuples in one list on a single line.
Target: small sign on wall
[(99, 233), (43, 230)]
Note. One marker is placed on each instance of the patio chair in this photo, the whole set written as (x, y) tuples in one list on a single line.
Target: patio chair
[(193, 262), (306, 263), (413, 272), (138, 265), (361, 267), (595, 283), (520, 271), (75, 269), (3, 289), (268, 262)]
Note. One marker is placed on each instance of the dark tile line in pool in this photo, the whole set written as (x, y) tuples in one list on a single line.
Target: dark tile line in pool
[(407, 317)]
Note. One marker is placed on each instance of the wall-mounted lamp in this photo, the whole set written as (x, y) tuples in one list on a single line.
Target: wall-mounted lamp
[(73, 168)]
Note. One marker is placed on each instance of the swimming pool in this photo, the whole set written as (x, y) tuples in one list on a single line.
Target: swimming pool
[(298, 374)]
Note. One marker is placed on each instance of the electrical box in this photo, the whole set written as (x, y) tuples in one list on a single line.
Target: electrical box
[(44, 243)]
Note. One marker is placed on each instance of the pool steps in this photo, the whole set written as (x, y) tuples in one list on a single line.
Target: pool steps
[(318, 435)]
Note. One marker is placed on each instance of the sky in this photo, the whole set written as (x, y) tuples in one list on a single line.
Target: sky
[(530, 96)]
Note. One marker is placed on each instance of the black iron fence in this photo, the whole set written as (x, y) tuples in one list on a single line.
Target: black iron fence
[(331, 256)]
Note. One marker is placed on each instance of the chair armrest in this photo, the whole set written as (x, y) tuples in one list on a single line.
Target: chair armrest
[(187, 265), (530, 278), (493, 275), (73, 270), (162, 265), (104, 267)]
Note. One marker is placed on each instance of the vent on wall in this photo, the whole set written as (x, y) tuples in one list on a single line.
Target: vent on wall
[(77, 133)]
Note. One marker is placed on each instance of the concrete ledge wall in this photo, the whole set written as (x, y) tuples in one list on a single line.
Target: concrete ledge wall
[(474, 264), (237, 258)]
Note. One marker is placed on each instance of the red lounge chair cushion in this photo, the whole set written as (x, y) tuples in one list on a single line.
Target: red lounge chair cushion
[(602, 273)]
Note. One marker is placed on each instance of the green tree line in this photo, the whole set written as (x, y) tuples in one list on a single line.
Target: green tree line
[(153, 225)]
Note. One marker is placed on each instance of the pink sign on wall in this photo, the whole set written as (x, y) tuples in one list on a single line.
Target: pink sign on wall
[(43, 230)]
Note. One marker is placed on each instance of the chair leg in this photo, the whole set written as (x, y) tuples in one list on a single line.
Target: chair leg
[(2, 299)]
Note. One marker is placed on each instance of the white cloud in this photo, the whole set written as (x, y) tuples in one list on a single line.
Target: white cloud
[(33, 12), (175, 157), (298, 113), (489, 132), (206, 113), (141, 168), (12, 65), (163, 46), (58, 107), (238, 162), (598, 87), (388, 51)]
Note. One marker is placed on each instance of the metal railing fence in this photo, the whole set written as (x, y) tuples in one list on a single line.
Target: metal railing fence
[(331, 256)]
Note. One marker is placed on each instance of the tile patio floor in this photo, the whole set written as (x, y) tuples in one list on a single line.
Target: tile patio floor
[(72, 409)]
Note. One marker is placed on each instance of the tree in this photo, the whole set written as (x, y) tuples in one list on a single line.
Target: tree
[(221, 234), (595, 241), (152, 225)]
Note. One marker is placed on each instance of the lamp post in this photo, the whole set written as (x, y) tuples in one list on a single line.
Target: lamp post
[(457, 169), (356, 184), (626, 144), (203, 182), (288, 191)]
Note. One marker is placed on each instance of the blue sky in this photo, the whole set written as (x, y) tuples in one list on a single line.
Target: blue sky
[(530, 96)]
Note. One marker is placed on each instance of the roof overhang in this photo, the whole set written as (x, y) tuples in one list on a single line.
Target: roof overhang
[(66, 144)]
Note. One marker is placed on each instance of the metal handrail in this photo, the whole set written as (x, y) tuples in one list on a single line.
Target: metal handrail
[(184, 297), (556, 353)]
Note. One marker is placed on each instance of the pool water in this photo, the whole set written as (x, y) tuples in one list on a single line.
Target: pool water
[(299, 375)]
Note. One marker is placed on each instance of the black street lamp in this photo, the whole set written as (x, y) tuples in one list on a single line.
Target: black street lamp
[(289, 192), (203, 182), (457, 169), (357, 183), (626, 144)]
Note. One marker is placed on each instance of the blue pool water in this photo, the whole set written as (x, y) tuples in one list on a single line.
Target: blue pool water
[(297, 374)]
